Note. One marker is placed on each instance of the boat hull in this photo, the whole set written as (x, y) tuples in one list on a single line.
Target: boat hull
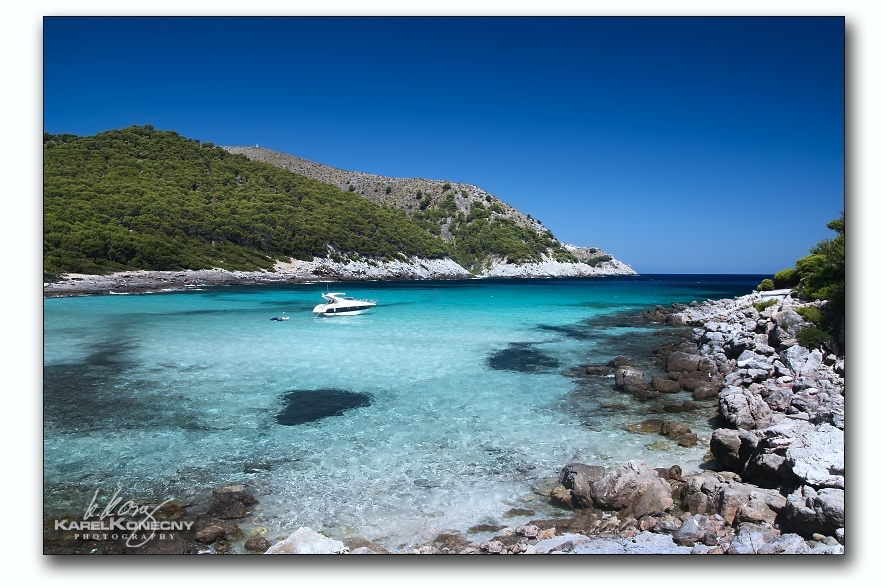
[(324, 310)]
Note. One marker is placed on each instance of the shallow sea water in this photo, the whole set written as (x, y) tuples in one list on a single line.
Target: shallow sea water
[(447, 403)]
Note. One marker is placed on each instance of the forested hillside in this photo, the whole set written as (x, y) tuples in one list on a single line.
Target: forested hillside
[(477, 224), (140, 198)]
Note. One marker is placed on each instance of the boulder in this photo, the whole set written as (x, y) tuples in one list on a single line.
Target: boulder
[(527, 530), (692, 381), (231, 502), (635, 488), (208, 529), (687, 440), (790, 321), (785, 544), (744, 409), (307, 541), (632, 381), (740, 502), (699, 528), (768, 468), (706, 391), (777, 398), (736, 344), (209, 534), (598, 370), (257, 543), (812, 364), (795, 358), (578, 478), (665, 385), (618, 362), (733, 448), (747, 543), (668, 525), (675, 320), (492, 546), (678, 361), (653, 425), (708, 365), (768, 464), (764, 349), (691, 531), (674, 472), (817, 457), (779, 338), (657, 315), (674, 429), (698, 503), (809, 511), (561, 495)]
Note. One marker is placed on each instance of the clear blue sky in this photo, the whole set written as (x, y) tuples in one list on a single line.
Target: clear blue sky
[(679, 145)]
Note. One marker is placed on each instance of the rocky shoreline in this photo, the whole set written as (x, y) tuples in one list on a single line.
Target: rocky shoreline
[(774, 485), (320, 269)]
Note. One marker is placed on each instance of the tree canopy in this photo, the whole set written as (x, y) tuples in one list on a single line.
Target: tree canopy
[(819, 276), (139, 198)]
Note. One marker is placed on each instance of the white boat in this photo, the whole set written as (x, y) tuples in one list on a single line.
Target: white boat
[(338, 304)]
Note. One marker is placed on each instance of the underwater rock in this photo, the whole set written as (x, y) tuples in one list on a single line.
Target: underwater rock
[(522, 357), (230, 502), (309, 405)]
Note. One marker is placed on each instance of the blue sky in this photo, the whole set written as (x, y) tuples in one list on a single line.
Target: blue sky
[(679, 145)]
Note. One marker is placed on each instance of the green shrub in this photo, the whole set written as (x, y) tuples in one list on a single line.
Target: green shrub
[(811, 337), (562, 255), (351, 188), (388, 190), (598, 259), (767, 285), (447, 186), (811, 314), (786, 278), (761, 306)]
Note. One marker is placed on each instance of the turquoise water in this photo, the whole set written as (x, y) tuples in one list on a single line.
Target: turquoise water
[(465, 397)]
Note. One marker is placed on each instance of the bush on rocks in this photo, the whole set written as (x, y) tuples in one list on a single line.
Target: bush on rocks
[(812, 337)]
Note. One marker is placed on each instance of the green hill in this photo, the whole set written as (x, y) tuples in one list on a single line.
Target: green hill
[(477, 224), (140, 198)]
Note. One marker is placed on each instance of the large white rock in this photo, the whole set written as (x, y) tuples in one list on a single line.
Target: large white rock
[(307, 541), (551, 268), (817, 457)]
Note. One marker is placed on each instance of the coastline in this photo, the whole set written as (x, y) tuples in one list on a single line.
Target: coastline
[(777, 486), (321, 269)]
